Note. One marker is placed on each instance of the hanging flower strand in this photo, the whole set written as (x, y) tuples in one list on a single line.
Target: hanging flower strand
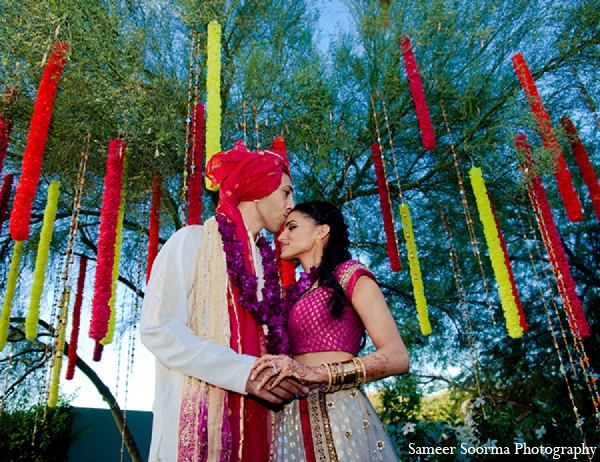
[(195, 183), (7, 185), (9, 295), (415, 269), (553, 244), (583, 160), (109, 215), (507, 299), (115, 272), (287, 269), (213, 93), (6, 127), (154, 231), (36, 142), (41, 261), (511, 274), (76, 319), (416, 89), (386, 208), (562, 175)]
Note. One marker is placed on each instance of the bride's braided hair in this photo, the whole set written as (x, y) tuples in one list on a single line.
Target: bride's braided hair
[(335, 251)]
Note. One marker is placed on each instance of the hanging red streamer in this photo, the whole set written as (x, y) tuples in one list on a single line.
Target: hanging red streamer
[(7, 185), (552, 241), (386, 208), (107, 239), (98, 349), (154, 221), (196, 179), (36, 141), (583, 160), (562, 175), (287, 269), (6, 126), (511, 274), (416, 89), (76, 319)]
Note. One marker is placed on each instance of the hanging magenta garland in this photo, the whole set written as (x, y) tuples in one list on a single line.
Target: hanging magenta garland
[(583, 160), (154, 221), (556, 252), (36, 142), (195, 179), (386, 208), (76, 318), (562, 175), (106, 241), (7, 185), (416, 89), (511, 274)]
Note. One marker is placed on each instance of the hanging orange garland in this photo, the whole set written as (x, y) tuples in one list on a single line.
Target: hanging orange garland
[(386, 208), (583, 160), (36, 141), (563, 177)]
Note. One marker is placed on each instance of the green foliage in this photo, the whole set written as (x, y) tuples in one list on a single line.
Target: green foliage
[(36, 434)]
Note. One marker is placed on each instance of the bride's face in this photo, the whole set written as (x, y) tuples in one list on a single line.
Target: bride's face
[(299, 236)]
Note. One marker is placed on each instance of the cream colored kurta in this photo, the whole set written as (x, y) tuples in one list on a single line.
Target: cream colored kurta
[(179, 352)]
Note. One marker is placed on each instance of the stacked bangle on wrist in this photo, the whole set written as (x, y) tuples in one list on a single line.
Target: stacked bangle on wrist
[(344, 375)]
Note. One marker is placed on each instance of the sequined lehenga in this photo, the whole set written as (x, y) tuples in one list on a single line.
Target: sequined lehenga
[(340, 426)]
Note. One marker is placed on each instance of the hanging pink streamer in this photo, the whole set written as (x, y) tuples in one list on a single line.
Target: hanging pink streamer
[(107, 239), (7, 185), (583, 160), (562, 175), (416, 89), (154, 232), (76, 319), (36, 143), (196, 178), (386, 208), (552, 241)]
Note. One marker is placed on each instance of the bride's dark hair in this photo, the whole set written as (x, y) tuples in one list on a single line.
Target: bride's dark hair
[(336, 250)]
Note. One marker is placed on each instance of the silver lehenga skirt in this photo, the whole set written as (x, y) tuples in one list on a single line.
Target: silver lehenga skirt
[(344, 428)]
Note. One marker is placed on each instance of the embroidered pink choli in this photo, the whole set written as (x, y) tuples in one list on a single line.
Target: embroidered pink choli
[(311, 326)]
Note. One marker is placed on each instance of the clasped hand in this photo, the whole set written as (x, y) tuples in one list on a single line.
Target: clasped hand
[(282, 377)]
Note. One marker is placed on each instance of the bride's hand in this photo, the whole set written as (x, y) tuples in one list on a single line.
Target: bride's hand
[(275, 369)]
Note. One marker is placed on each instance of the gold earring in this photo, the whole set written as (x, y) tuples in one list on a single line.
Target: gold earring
[(319, 249)]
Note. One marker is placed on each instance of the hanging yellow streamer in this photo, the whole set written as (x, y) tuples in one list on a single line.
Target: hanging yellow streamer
[(60, 348), (111, 303), (41, 261), (11, 285), (213, 92), (415, 269), (507, 299)]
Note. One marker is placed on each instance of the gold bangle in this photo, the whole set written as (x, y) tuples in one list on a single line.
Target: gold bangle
[(362, 374)]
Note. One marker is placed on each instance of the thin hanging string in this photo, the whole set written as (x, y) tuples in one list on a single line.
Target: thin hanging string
[(8, 367), (586, 96), (468, 219), (462, 300), (135, 315), (391, 143), (588, 373), (348, 195), (190, 135), (551, 327), (255, 113)]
